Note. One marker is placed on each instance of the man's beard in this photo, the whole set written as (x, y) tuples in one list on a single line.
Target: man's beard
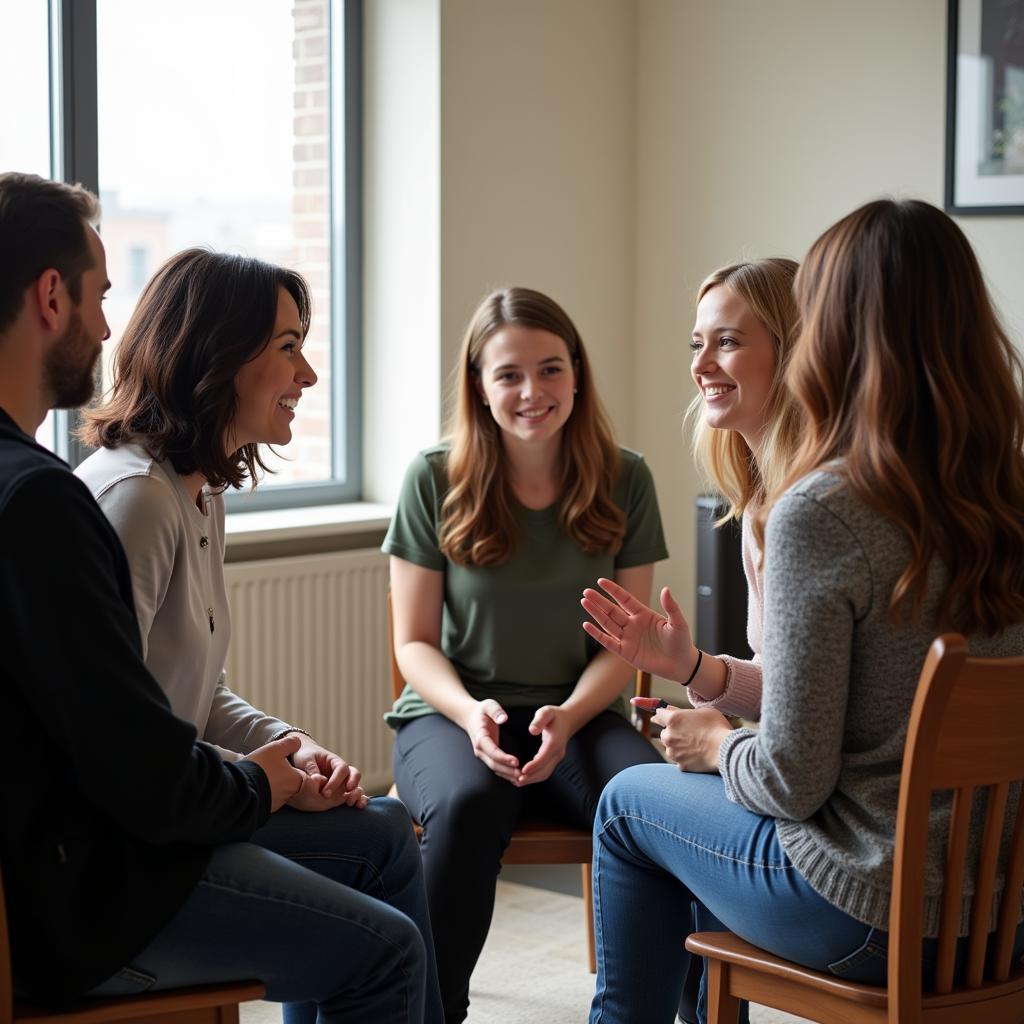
[(69, 367)]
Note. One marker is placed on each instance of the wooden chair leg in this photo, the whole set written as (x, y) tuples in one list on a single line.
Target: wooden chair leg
[(588, 913), (723, 1007)]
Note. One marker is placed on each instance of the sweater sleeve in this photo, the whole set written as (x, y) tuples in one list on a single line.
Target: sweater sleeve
[(235, 725), (817, 585), (144, 517), (71, 630)]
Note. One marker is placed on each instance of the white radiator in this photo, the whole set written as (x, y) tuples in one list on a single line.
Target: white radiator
[(309, 645)]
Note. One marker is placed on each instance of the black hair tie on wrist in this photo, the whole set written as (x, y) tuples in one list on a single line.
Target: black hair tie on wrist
[(696, 668)]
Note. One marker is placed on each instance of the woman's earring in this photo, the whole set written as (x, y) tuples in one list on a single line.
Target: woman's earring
[(486, 403)]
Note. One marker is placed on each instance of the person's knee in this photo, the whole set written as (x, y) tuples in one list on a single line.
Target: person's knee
[(393, 953), (626, 788), (393, 816), (392, 825)]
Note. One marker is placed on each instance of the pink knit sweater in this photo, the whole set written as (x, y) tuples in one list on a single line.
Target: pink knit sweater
[(742, 693)]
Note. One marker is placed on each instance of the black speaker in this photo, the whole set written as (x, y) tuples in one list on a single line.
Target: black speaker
[(721, 626)]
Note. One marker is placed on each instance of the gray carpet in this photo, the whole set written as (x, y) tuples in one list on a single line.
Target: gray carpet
[(533, 969)]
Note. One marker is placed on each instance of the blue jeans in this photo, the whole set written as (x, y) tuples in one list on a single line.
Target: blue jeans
[(327, 909), (672, 855)]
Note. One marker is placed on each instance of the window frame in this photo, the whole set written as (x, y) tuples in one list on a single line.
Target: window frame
[(74, 156)]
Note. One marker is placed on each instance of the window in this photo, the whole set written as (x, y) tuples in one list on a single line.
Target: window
[(25, 124), (225, 123)]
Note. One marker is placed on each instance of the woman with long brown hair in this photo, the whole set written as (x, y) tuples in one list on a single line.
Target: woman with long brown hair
[(508, 706), (901, 520)]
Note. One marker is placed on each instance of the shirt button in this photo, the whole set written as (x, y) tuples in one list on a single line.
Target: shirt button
[(204, 542)]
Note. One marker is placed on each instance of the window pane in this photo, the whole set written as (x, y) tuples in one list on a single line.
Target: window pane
[(25, 122), (219, 137), (25, 86)]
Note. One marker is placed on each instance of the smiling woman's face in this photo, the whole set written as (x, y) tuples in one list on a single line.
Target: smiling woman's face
[(527, 380), (270, 385), (734, 358)]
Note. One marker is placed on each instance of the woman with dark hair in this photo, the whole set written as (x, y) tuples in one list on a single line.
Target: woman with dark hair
[(900, 519), (210, 366), (508, 707)]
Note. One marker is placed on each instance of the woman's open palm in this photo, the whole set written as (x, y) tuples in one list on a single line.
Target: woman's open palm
[(650, 642)]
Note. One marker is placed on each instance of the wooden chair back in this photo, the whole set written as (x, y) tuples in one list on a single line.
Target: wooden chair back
[(966, 734), (965, 737)]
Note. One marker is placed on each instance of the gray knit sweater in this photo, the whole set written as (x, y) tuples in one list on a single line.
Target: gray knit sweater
[(839, 681)]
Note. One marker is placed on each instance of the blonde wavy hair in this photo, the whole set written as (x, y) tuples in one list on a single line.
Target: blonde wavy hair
[(479, 523), (723, 456), (914, 396)]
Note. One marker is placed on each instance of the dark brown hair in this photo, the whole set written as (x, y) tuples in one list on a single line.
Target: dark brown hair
[(479, 524), (914, 392), (43, 226), (202, 316)]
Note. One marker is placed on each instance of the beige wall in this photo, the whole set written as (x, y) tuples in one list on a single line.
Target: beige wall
[(613, 152), (758, 125), (537, 168)]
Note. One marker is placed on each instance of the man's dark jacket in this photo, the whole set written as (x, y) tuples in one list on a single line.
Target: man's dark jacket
[(110, 807)]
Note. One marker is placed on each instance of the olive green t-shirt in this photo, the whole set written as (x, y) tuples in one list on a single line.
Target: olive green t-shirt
[(513, 631)]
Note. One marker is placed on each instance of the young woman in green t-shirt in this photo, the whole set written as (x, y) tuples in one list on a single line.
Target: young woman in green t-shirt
[(509, 705)]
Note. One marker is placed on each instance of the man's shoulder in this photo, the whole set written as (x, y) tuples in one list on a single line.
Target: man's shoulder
[(21, 461), (38, 492)]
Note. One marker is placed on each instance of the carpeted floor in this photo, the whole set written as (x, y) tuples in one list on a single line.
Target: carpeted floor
[(533, 969)]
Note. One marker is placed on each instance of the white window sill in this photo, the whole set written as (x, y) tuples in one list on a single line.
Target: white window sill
[(271, 526)]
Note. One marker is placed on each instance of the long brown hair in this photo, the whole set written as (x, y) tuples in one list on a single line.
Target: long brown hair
[(479, 523), (913, 392), (766, 286), (201, 317)]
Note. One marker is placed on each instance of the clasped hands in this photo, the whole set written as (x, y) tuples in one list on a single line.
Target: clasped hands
[(550, 722), (316, 780)]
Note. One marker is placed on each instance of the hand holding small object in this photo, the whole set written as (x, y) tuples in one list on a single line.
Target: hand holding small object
[(692, 738), (648, 703)]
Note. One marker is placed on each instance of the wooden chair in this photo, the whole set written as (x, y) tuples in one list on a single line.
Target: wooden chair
[(966, 733), (536, 841), (205, 1004)]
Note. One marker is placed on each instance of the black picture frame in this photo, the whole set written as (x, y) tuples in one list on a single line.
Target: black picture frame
[(985, 108)]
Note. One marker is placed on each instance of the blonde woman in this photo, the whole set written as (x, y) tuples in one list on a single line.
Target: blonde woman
[(881, 540), (746, 431), (510, 707)]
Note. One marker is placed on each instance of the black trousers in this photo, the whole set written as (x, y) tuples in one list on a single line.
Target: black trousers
[(468, 815)]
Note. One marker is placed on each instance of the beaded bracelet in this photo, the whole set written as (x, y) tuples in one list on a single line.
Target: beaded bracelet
[(281, 733), (696, 668)]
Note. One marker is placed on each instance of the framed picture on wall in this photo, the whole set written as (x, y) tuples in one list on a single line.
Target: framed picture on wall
[(985, 107)]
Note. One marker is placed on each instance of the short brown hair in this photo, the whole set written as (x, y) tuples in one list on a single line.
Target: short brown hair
[(43, 226), (202, 316)]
